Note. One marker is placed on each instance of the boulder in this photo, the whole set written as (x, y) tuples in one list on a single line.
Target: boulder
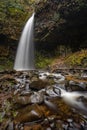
[(30, 113), (39, 84)]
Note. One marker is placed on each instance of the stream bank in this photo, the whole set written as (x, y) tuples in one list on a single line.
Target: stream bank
[(28, 100)]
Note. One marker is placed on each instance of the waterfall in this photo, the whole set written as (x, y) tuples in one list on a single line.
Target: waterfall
[(25, 52)]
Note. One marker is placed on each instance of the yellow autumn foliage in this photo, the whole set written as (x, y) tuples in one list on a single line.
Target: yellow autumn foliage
[(77, 59)]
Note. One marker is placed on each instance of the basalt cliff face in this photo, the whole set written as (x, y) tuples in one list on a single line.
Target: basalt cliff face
[(57, 22), (63, 22)]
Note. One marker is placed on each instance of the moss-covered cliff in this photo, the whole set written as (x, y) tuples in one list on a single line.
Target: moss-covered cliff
[(13, 15)]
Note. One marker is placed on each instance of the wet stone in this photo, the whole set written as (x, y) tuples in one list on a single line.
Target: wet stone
[(48, 128), (17, 91), (10, 126), (29, 114), (75, 86), (29, 97), (37, 97), (26, 93), (16, 86), (59, 125), (69, 120), (38, 85), (34, 78), (27, 87), (84, 75), (23, 100), (50, 92), (43, 75)]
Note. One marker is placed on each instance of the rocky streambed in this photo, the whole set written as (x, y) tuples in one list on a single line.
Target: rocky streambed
[(40, 100)]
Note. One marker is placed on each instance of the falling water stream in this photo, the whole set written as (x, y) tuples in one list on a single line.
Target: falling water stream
[(25, 53)]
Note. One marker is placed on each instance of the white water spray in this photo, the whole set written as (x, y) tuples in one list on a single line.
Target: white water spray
[(72, 99), (25, 53)]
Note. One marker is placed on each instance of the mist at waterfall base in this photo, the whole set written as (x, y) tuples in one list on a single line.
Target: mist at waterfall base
[(25, 52)]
